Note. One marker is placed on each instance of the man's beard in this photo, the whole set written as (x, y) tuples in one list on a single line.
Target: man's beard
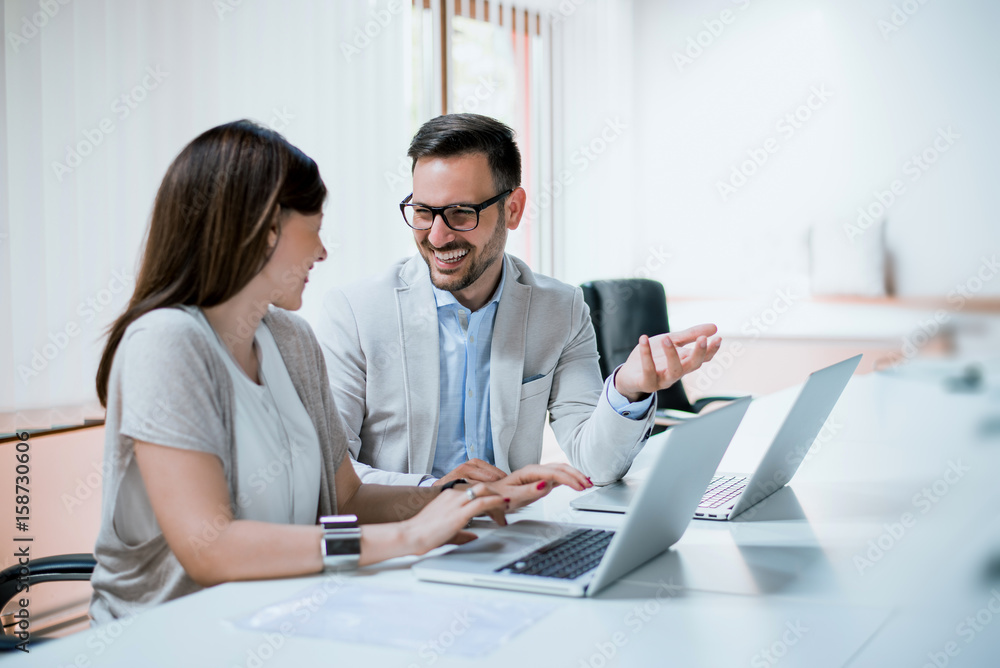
[(483, 260)]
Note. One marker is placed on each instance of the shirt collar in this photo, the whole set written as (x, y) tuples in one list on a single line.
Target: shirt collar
[(445, 298)]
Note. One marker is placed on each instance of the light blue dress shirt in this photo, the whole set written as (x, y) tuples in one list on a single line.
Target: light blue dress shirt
[(464, 426)]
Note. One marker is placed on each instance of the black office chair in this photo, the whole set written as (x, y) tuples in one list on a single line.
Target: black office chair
[(46, 569), (622, 311)]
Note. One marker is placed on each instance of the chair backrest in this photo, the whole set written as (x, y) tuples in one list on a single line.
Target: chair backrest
[(623, 310), (45, 569)]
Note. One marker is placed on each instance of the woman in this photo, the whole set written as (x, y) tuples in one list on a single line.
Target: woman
[(221, 440)]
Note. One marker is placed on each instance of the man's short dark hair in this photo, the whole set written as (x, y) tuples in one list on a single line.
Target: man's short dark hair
[(461, 134)]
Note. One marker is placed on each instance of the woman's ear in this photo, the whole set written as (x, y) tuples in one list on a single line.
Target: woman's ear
[(272, 236), (274, 233)]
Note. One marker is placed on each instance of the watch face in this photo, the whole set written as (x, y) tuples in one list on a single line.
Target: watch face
[(343, 546)]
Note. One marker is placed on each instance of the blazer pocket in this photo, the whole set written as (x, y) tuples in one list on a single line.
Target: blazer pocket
[(536, 386)]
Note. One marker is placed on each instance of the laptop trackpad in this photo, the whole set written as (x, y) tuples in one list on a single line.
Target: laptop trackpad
[(503, 544), (614, 498)]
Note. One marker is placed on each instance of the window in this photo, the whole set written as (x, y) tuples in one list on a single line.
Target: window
[(491, 60)]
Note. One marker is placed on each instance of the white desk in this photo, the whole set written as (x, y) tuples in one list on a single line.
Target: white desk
[(784, 581)]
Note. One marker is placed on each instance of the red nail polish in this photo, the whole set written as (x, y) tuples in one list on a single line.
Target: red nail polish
[(541, 485), (507, 500)]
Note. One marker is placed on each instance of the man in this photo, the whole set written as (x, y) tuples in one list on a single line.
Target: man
[(444, 367)]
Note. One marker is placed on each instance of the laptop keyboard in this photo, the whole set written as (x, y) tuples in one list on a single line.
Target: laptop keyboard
[(722, 490), (568, 557)]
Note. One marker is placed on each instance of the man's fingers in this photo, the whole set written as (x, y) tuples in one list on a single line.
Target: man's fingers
[(691, 334), (484, 471), (479, 475), (474, 470), (713, 347), (697, 356), (646, 358), (674, 368)]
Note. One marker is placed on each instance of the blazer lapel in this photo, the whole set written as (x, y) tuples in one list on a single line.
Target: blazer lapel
[(507, 362), (418, 331)]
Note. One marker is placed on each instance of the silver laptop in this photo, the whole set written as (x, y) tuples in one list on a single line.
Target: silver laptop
[(729, 494), (575, 560)]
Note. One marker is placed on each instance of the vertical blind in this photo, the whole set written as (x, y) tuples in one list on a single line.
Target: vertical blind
[(99, 97)]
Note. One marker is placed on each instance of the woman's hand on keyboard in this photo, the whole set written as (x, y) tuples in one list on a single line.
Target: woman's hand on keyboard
[(531, 483)]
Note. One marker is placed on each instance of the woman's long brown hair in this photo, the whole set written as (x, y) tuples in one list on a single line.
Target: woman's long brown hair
[(208, 235)]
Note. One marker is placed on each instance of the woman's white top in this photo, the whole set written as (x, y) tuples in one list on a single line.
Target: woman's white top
[(277, 450)]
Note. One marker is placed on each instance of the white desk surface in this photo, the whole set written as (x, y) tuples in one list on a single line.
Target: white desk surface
[(742, 586)]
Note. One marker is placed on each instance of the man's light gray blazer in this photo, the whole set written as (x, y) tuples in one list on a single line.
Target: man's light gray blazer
[(380, 340)]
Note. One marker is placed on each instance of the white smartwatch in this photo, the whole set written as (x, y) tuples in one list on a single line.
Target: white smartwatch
[(341, 542)]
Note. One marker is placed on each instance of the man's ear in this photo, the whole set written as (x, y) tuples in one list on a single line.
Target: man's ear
[(515, 204)]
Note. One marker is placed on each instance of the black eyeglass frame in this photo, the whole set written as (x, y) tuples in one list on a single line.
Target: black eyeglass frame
[(441, 210)]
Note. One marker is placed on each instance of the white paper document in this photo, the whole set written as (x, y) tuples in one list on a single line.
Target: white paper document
[(469, 625)]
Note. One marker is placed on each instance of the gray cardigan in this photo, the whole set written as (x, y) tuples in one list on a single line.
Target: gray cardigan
[(169, 386)]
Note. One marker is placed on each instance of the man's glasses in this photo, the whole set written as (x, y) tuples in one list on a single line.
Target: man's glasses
[(459, 217)]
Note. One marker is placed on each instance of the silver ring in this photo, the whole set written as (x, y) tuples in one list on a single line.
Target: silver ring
[(471, 494)]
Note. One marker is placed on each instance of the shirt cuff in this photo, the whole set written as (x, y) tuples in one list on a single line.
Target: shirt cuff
[(632, 410), (427, 481)]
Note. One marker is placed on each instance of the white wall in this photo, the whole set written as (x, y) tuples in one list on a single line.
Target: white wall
[(592, 193), (889, 95)]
